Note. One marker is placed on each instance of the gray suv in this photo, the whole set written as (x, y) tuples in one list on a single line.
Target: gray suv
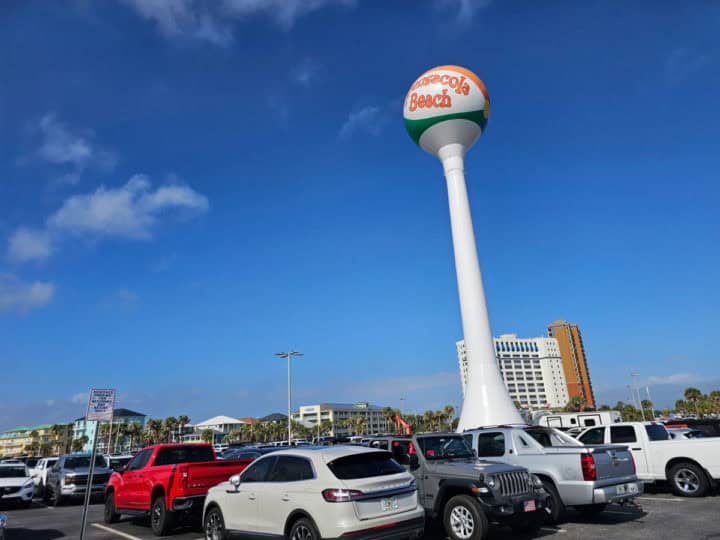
[(464, 492), (68, 478)]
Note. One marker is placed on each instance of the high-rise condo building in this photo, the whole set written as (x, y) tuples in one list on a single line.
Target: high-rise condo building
[(574, 361)]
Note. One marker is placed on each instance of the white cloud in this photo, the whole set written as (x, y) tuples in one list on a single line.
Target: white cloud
[(306, 72), (62, 147), (213, 21), (130, 211), (371, 119), (80, 397), (675, 378), (464, 9), (21, 297), (28, 244)]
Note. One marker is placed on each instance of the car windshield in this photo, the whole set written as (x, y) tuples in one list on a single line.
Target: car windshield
[(549, 437), (118, 462), (183, 454), (13, 472), (31, 462), (445, 447), (657, 432), (81, 462)]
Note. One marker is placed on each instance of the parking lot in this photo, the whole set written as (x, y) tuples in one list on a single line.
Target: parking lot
[(660, 516)]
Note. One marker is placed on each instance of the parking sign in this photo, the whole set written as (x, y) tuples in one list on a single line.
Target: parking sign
[(101, 404)]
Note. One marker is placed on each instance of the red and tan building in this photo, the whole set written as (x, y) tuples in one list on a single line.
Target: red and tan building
[(574, 361)]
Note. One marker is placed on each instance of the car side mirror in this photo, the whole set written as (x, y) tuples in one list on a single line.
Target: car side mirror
[(414, 462), (235, 480)]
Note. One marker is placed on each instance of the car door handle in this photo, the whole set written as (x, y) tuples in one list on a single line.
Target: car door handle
[(285, 497), (636, 448), (251, 496)]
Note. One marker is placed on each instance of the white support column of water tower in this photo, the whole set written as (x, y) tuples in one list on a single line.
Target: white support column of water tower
[(445, 112)]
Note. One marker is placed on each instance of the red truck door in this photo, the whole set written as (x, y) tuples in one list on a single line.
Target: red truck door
[(133, 481)]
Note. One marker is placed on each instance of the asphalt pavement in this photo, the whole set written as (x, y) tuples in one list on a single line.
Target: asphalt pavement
[(660, 516)]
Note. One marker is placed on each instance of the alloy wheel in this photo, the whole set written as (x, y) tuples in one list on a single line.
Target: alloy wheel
[(687, 481), (213, 527), (462, 522), (301, 532)]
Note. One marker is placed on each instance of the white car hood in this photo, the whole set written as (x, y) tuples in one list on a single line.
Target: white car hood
[(14, 482)]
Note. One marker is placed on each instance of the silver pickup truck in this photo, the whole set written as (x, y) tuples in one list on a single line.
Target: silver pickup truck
[(584, 477)]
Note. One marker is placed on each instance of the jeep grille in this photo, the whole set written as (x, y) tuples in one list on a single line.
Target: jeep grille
[(511, 484)]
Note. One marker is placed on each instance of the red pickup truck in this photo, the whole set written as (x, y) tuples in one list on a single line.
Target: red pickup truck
[(166, 481)]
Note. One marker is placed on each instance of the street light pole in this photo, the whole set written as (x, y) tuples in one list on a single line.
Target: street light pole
[(289, 355)]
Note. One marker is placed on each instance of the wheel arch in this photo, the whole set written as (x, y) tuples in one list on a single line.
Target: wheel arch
[(679, 460), (158, 491), (296, 514), (447, 490)]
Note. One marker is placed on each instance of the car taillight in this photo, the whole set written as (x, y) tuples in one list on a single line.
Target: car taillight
[(587, 462), (632, 459), (183, 479), (341, 495)]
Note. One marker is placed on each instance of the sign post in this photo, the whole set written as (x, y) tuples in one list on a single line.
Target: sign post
[(100, 409)]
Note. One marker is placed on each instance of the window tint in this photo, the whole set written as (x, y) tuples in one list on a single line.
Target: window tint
[(140, 460), (589, 422), (549, 437), (258, 470), (81, 462), (656, 432), (445, 447), (469, 440), (594, 436), (622, 434), (291, 469), (183, 454), (491, 444), (365, 465)]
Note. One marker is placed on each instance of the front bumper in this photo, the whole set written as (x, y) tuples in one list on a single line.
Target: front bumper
[(72, 490), (402, 530), (513, 506), (617, 493), (24, 494)]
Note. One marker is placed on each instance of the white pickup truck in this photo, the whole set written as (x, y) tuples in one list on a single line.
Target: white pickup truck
[(586, 478), (691, 466)]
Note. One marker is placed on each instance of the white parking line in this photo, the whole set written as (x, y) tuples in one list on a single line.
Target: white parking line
[(659, 499), (119, 533), (552, 529)]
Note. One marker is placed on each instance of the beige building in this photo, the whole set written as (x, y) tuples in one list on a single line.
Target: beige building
[(21, 440), (339, 415)]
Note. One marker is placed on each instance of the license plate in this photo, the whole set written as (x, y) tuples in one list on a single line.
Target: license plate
[(529, 506), (389, 504), (626, 488)]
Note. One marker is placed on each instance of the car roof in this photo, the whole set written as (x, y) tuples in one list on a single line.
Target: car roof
[(327, 453), (8, 465)]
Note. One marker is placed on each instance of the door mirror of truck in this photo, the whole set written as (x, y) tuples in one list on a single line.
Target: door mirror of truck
[(413, 461), (235, 480)]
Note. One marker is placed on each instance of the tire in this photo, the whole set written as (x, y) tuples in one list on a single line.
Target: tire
[(688, 480), (27, 504), (160, 517), (464, 519), (554, 509), (46, 495), (214, 525), (41, 491), (589, 510), (528, 523), (303, 529), (110, 514), (57, 498)]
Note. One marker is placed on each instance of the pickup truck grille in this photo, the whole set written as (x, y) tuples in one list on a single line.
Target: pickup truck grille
[(511, 484), (81, 479)]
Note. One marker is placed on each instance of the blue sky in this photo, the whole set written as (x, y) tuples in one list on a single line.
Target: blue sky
[(189, 187)]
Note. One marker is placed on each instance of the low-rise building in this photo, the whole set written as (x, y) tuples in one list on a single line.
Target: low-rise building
[(111, 433), (341, 417), (35, 440)]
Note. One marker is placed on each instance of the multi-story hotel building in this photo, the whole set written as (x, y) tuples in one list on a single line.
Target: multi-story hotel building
[(531, 368), (339, 413), (574, 361)]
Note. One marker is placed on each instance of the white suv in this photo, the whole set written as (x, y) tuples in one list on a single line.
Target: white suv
[(317, 492), (39, 473)]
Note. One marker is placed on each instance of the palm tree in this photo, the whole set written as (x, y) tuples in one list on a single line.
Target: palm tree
[(647, 405), (78, 444), (154, 427), (183, 420), (56, 430), (103, 433), (170, 424), (449, 412), (132, 430), (576, 404), (359, 422), (207, 436), (326, 427), (681, 406), (693, 395)]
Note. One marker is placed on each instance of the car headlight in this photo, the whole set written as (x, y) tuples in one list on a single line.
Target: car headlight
[(490, 480), (535, 480)]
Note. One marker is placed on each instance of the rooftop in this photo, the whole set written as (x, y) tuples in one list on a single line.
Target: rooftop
[(221, 419), (119, 413)]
